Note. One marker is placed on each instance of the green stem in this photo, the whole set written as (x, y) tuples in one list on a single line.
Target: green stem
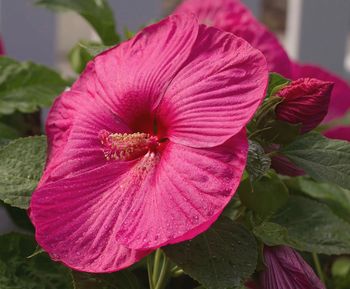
[(163, 273), (253, 134), (149, 271), (156, 266), (318, 267), (178, 273), (174, 269), (240, 211), (266, 108), (272, 154)]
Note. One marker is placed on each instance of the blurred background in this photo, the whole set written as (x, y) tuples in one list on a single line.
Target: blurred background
[(313, 31)]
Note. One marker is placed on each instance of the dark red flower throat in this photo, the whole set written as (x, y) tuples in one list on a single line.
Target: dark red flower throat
[(129, 146)]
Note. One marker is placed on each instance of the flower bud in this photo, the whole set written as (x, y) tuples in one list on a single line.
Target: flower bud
[(305, 101), (258, 162), (284, 166), (286, 269)]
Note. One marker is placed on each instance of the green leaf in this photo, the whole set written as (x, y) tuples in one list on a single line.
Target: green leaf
[(280, 132), (273, 234), (124, 279), (276, 83), (7, 132), (264, 196), (19, 272), (323, 159), (97, 12), (94, 48), (233, 209), (78, 58), (219, 258), (21, 164), (83, 52), (267, 129), (337, 198), (128, 34), (307, 226), (3, 142), (26, 87)]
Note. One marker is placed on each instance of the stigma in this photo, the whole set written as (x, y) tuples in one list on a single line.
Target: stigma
[(126, 147)]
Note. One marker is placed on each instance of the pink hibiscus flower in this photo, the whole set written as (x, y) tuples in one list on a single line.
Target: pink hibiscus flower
[(148, 146), (339, 132), (235, 17), (2, 49)]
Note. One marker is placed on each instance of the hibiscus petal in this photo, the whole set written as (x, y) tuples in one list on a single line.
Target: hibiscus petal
[(82, 149), (74, 222), (340, 98), (216, 92), (73, 125), (133, 76), (339, 132), (183, 194), (65, 109), (81, 219), (233, 16)]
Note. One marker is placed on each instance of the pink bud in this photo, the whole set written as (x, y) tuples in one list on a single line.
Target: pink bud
[(284, 166), (286, 269), (305, 101)]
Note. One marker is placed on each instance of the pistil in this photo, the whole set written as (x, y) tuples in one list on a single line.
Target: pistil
[(125, 147)]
